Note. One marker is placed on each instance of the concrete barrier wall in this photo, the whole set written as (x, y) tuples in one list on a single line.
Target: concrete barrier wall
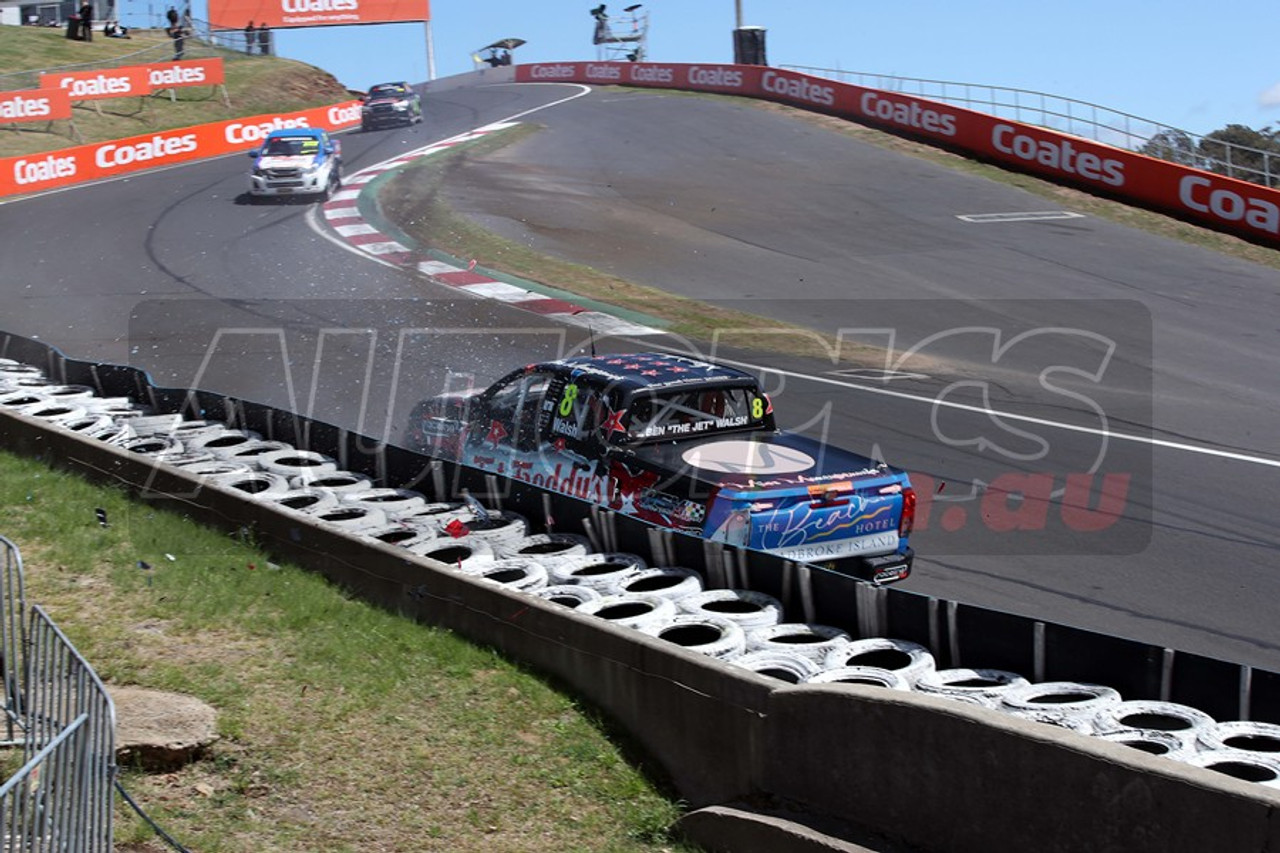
[(929, 772)]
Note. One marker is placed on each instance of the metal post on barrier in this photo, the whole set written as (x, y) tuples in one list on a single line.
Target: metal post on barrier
[(1038, 634), (1246, 691)]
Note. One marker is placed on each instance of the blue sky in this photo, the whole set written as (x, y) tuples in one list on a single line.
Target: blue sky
[(1176, 62)]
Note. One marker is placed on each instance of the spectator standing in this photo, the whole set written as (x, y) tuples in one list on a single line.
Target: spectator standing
[(264, 38), (177, 33), (86, 22), (172, 17), (250, 37)]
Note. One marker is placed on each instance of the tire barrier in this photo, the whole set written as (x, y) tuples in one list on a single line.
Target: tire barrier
[(152, 445), (306, 500), (500, 529), (631, 611), (572, 596), (220, 444), (436, 516), (395, 533), (784, 666), (1144, 715), (353, 517), (750, 609), (713, 636), (596, 570), (1164, 744), (215, 467), (874, 676), (817, 642), (910, 660), (250, 451), (671, 582), (293, 463), (1068, 704), (337, 482), (1246, 766), (513, 572), (548, 548), (57, 411), (390, 502), (457, 553), (987, 685), (256, 484), (1241, 736)]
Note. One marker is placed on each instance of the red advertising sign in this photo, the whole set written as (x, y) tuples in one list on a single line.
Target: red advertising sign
[(1225, 203), (99, 84), (186, 72), (36, 172), (34, 105), (279, 14)]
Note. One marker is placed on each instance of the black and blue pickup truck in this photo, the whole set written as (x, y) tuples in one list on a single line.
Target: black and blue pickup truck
[(680, 443)]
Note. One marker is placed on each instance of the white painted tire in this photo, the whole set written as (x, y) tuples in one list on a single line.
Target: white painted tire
[(215, 467), (815, 642), (222, 443), (400, 535), (908, 659), (188, 431), (631, 611), (750, 609), (91, 425), (874, 676), (1242, 736), (501, 530), (294, 463), (23, 399), (572, 596), (152, 445), (67, 393), (513, 573), (57, 411), (353, 517), (259, 485), (985, 684), (713, 636), (596, 570), (784, 666), (436, 516), (307, 501), (548, 548), (1164, 744), (673, 582), (461, 554), (1070, 704), (338, 482), (393, 502), (1181, 721), (250, 452), (1246, 766)]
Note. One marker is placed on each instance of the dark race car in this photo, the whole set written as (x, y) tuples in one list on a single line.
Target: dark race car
[(684, 444), (388, 104)]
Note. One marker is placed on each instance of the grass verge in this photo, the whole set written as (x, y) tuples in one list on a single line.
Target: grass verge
[(343, 727)]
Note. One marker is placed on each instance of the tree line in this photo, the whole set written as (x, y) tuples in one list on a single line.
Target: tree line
[(1236, 151)]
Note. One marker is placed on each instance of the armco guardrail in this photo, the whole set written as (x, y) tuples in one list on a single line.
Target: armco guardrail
[(930, 772), (1240, 207)]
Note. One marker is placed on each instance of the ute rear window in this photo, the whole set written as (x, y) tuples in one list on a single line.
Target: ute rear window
[(694, 413), (286, 146)]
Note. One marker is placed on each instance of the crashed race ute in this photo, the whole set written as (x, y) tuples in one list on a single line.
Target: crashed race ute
[(684, 444)]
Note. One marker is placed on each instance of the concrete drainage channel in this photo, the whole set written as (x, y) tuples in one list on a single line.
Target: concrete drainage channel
[(864, 705)]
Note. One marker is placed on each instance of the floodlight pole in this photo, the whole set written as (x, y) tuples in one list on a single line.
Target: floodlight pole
[(431, 53), (737, 7)]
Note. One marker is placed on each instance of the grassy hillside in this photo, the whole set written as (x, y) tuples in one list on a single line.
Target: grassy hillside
[(255, 85)]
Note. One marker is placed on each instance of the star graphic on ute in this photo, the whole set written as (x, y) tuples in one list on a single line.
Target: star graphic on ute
[(613, 424), (497, 432)]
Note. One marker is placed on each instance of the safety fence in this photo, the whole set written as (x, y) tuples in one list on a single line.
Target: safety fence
[(1079, 118), (61, 716)]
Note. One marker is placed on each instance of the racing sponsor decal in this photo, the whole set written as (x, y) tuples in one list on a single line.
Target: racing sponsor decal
[(100, 84), (1198, 193), (909, 113), (799, 87), (186, 72), (232, 14), (1058, 154), (35, 105)]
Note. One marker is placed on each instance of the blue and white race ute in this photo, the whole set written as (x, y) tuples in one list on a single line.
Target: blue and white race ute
[(684, 444), (296, 161)]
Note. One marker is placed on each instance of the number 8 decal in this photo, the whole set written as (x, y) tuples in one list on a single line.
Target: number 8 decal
[(757, 408), (566, 402)]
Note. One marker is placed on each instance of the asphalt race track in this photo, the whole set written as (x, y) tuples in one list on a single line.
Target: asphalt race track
[(1089, 407)]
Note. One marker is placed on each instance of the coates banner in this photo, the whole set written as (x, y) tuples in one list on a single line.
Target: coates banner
[(1228, 204), (48, 170), (100, 84), (280, 14), (186, 72), (34, 105)]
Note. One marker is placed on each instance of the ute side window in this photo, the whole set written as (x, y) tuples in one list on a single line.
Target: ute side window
[(517, 403), (576, 414), (691, 413)]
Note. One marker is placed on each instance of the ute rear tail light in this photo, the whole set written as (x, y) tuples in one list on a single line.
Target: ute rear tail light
[(908, 520)]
